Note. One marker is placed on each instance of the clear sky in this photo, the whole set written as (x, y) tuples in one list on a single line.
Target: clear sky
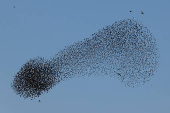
[(44, 27)]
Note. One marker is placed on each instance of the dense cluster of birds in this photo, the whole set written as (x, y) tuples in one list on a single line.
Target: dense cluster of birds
[(125, 50)]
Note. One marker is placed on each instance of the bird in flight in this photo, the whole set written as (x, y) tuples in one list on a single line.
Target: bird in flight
[(14, 6), (119, 74), (130, 11), (39, 101), (142, 12)]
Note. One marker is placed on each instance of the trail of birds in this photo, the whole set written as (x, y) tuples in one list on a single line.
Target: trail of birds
[(126, 50)]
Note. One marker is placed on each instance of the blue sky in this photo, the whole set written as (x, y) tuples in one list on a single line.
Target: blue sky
[(43, 28)]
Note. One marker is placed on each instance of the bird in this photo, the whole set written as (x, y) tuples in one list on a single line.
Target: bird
[(39, 101), (14, 6), (142, 12), (119, 74), (130, 11)]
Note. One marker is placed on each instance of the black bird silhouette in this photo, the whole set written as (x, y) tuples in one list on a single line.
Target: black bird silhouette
[(142, 12), (119, 74), (39, 101), (130, 11)]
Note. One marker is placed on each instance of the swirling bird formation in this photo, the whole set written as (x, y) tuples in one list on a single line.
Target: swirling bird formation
[(125, 50)]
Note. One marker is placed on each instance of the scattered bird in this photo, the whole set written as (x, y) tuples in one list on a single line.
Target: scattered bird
[(130, 11), (142, 12), (14, 6), (119, 74), (39, 101)]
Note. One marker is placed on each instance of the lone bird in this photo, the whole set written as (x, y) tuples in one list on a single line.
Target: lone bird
[(142, 12), (39, 101), (130, 11), (119, 74), (14, 6)]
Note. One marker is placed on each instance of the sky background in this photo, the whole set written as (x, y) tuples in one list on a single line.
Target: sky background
[(44, 27)]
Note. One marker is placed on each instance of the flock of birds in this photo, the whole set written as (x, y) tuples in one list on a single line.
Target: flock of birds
[(126, 50), (137, 29)]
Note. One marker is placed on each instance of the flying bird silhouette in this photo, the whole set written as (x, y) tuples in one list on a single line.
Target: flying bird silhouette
[(130, 11), (119, 74), (142, 12), (14, 6), (39, 101)]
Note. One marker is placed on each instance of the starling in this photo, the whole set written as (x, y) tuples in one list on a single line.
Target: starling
[(142, 12), (39, 101), (130, 11), (119, 74)]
